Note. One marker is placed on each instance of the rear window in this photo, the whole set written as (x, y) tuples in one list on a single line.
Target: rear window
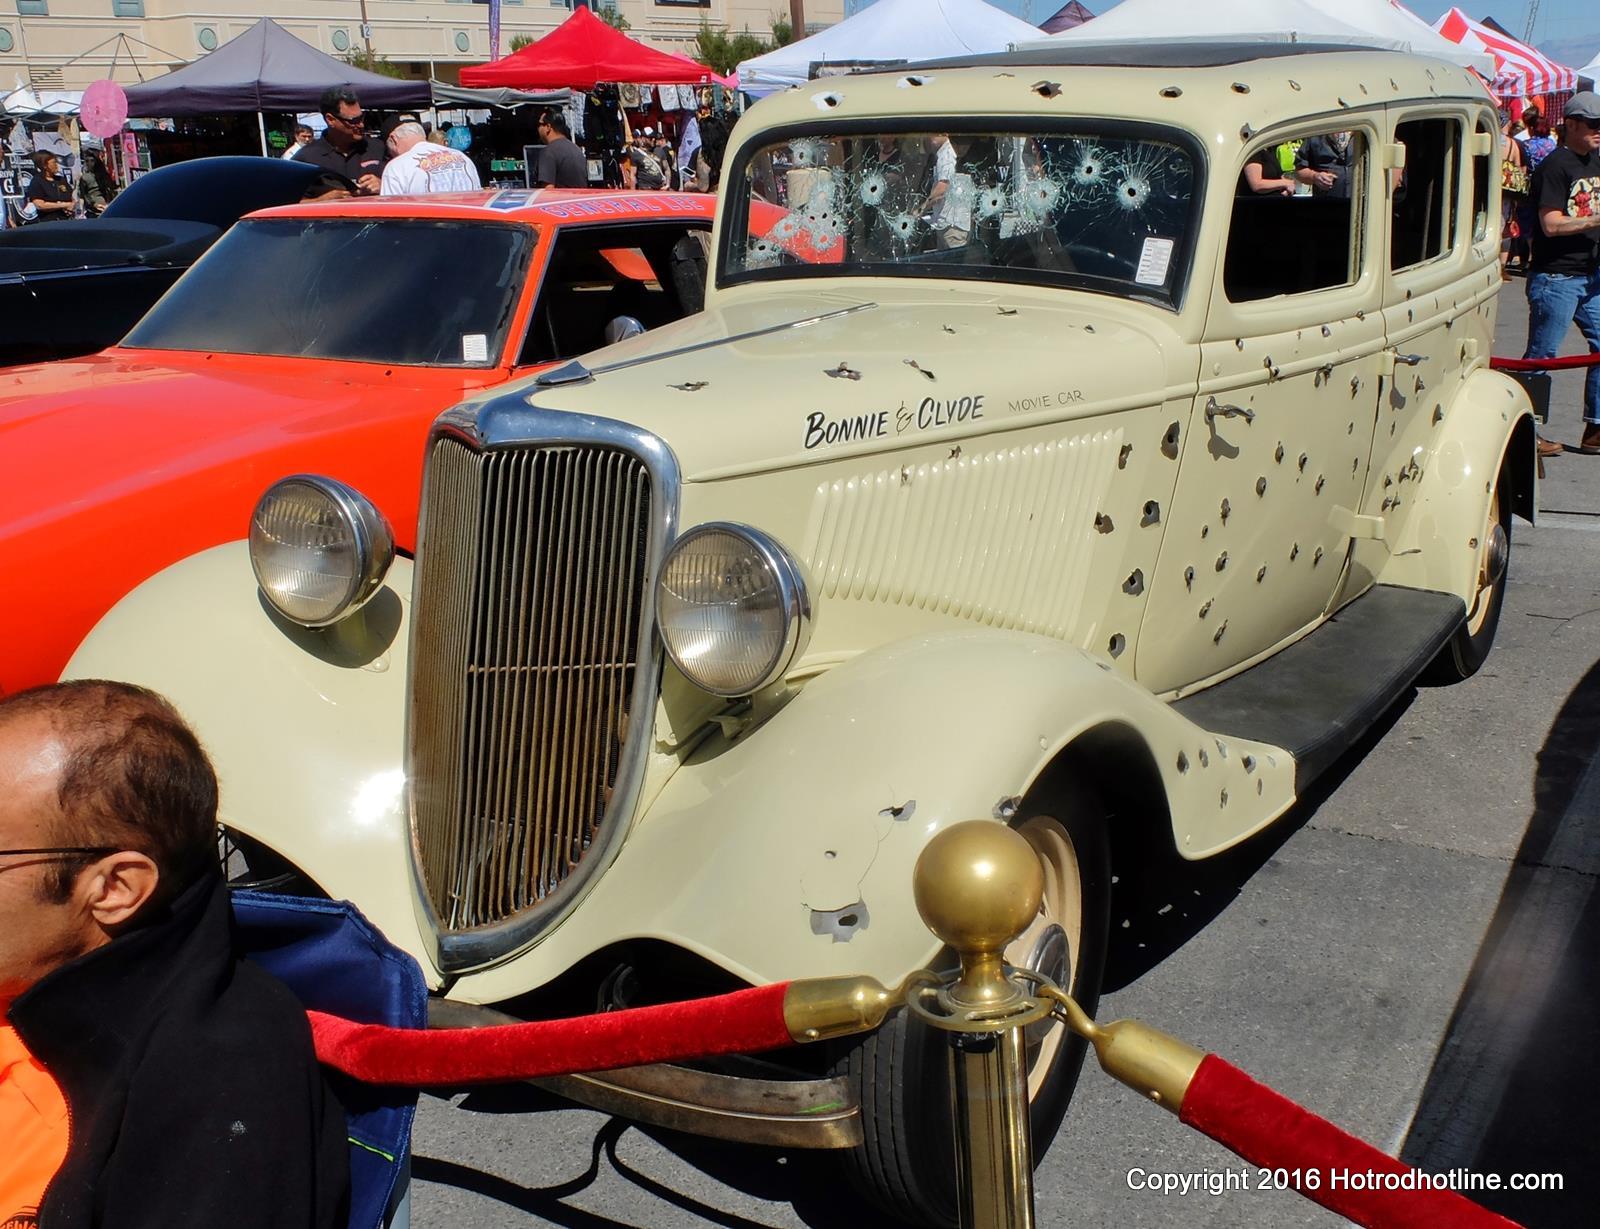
[(406, 292)]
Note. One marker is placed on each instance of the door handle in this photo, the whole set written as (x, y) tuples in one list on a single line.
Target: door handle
[(1408, 360), (1216, 409)]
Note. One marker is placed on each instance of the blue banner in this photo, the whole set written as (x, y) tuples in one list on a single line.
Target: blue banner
[(494, 30)]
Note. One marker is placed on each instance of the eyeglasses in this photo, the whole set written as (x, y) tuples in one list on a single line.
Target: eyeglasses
[(351, 121), (1587, 122), (61, 851)]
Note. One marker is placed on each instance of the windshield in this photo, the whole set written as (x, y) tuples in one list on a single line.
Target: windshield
[(1103, 210), (437, 294)]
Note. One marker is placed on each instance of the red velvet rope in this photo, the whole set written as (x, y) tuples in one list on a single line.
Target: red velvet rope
[(1323, 1163), (1545, 364), (744, 1022)]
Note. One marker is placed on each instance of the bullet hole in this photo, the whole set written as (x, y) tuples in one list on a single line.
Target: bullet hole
[(1261, 487), (901, 810), (1294, 552), (1239, 87), (1205, 532), (1316, 556), (1238, 343), (1217, 639), (1117, 643), (1260, 786), (1188, 578), (1134, 585), (1102, 522), (1246, 132), (912, 363), (1006, 311), (1438, 415), (1205, 760), (1261, 573), (1222, 561), (1316, 488), (1302, 462), (1046, 89), (1224, 797), (1326, 331), (1183, 762), (1277, 454), (1171, 91), (1206, 609), (1350, 430), (1123, 454), (1294, 85), (1227, 508), (830, 854), (1169, 442), (1152, 513), (690, 386), (1249, 763), (843, 372)]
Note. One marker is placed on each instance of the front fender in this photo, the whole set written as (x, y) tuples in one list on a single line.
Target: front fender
[(760, 850), (1489, 425), (306, 729)]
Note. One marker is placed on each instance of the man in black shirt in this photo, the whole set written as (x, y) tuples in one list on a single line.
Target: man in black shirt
[(51, 195), (1564, 277), (345, 148), (1325, 162), (561, 163)]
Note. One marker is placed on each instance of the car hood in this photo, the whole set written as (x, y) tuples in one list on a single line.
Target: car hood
[(89, 431), (768, 381)]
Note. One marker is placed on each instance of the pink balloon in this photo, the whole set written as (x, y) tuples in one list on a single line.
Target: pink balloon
[(104, 108)]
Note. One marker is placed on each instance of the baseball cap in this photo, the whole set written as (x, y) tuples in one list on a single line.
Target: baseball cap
[(1585, 105)]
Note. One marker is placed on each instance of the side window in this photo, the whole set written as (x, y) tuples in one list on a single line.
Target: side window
[(1297, 218), (655, 274), (1423, 213), (1481, 167)]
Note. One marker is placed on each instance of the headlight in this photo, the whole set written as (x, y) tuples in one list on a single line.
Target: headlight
[(319, 548), (732, 607)]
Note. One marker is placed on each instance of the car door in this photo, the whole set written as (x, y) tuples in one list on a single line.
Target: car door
[(1275, 460)]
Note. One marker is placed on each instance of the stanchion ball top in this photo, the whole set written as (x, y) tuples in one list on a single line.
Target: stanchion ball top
[(978, 885)]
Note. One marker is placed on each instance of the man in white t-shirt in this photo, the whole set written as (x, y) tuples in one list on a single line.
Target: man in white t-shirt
[(417, 166)]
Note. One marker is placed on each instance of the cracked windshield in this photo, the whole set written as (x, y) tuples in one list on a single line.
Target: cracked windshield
[(1110, 212), (346, 288)]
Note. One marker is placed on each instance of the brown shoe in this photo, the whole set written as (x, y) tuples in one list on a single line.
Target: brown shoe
[(1549, 448), (1590, 444)]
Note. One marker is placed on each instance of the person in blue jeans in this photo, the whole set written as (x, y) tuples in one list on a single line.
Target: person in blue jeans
[(1564, 278)]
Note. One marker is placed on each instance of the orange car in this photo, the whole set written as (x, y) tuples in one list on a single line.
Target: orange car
[(320, 337)]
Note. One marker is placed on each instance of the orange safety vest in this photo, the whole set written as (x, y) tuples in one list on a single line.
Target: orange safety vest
[(34, 1126)]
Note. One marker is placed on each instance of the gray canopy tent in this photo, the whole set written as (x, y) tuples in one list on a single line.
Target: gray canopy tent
[(266, 69)]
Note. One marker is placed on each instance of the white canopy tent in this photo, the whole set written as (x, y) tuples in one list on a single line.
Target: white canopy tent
[(1591, 70), (888, 31), (1361, 23)]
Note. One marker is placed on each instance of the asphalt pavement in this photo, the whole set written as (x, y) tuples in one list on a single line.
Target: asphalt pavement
[(1410, 953)]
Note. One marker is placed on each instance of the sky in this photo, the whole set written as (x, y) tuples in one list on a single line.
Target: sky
[(1560, 26)]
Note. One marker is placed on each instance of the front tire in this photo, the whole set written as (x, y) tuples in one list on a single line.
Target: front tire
[(900, 1073)]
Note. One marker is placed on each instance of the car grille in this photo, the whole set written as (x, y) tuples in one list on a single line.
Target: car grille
[(531, 584)]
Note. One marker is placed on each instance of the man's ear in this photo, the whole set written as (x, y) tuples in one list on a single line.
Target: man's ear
[(116, 887)]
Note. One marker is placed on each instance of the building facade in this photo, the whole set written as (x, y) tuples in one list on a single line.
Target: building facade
[(65, 44)]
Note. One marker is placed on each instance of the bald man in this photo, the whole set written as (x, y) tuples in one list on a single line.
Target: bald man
[(417, 166), (147, 1075)]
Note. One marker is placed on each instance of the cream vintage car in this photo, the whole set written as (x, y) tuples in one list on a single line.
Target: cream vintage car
[(1033, 467)]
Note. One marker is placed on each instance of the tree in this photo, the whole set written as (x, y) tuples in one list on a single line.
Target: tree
[(782, 30), (613, 17), (722, 51), (519, 41), (357, 57)]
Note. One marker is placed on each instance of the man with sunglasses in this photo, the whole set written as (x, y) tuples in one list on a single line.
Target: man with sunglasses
[(147, 1074), (344, 147), (1564, 276)]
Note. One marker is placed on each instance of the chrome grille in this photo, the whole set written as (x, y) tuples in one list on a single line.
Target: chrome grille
[(531, 587)]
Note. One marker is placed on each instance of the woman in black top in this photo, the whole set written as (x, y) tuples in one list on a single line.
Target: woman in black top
[(50, 194)]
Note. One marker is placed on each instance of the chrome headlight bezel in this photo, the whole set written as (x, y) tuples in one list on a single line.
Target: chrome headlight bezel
[(369, 535), (794, 602)]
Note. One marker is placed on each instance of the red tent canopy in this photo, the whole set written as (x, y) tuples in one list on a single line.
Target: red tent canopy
[(579, 54)]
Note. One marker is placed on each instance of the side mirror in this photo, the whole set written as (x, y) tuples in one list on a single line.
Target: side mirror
[(621, 328)]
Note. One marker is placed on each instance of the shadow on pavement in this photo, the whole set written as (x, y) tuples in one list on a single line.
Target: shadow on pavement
[(1176, 900), (1511, 1090)]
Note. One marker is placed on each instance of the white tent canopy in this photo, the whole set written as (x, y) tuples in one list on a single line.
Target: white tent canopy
[(1361, 23), (889, 30), (1591, 70)]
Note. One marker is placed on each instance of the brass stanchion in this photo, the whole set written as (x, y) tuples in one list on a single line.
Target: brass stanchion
[(978, 885)]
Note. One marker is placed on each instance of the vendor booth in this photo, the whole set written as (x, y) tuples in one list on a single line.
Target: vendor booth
[(1518, 70), (890, 31), (266, 69)]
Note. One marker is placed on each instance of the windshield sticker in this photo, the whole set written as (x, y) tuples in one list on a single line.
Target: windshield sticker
[(1155, 258), (509, 199), (474, 348)]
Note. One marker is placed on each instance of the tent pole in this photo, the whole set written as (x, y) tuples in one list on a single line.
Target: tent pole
[(261, 123)]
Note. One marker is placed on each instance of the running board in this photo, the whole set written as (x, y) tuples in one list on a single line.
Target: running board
[(799, 1113), (1319, 695)]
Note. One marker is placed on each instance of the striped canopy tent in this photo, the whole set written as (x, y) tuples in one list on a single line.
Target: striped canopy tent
[(1519, 70)]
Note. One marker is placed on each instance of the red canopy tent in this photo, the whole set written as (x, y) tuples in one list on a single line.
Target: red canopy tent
[(579, 54)]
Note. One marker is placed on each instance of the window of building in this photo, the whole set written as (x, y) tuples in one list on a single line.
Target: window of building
[(33, 8), (1301, 229), (1424, 205), (127, 8), (7, 40)]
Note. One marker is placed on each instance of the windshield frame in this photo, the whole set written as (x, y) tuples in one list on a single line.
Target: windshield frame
[(529, 241), (735, 221)]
